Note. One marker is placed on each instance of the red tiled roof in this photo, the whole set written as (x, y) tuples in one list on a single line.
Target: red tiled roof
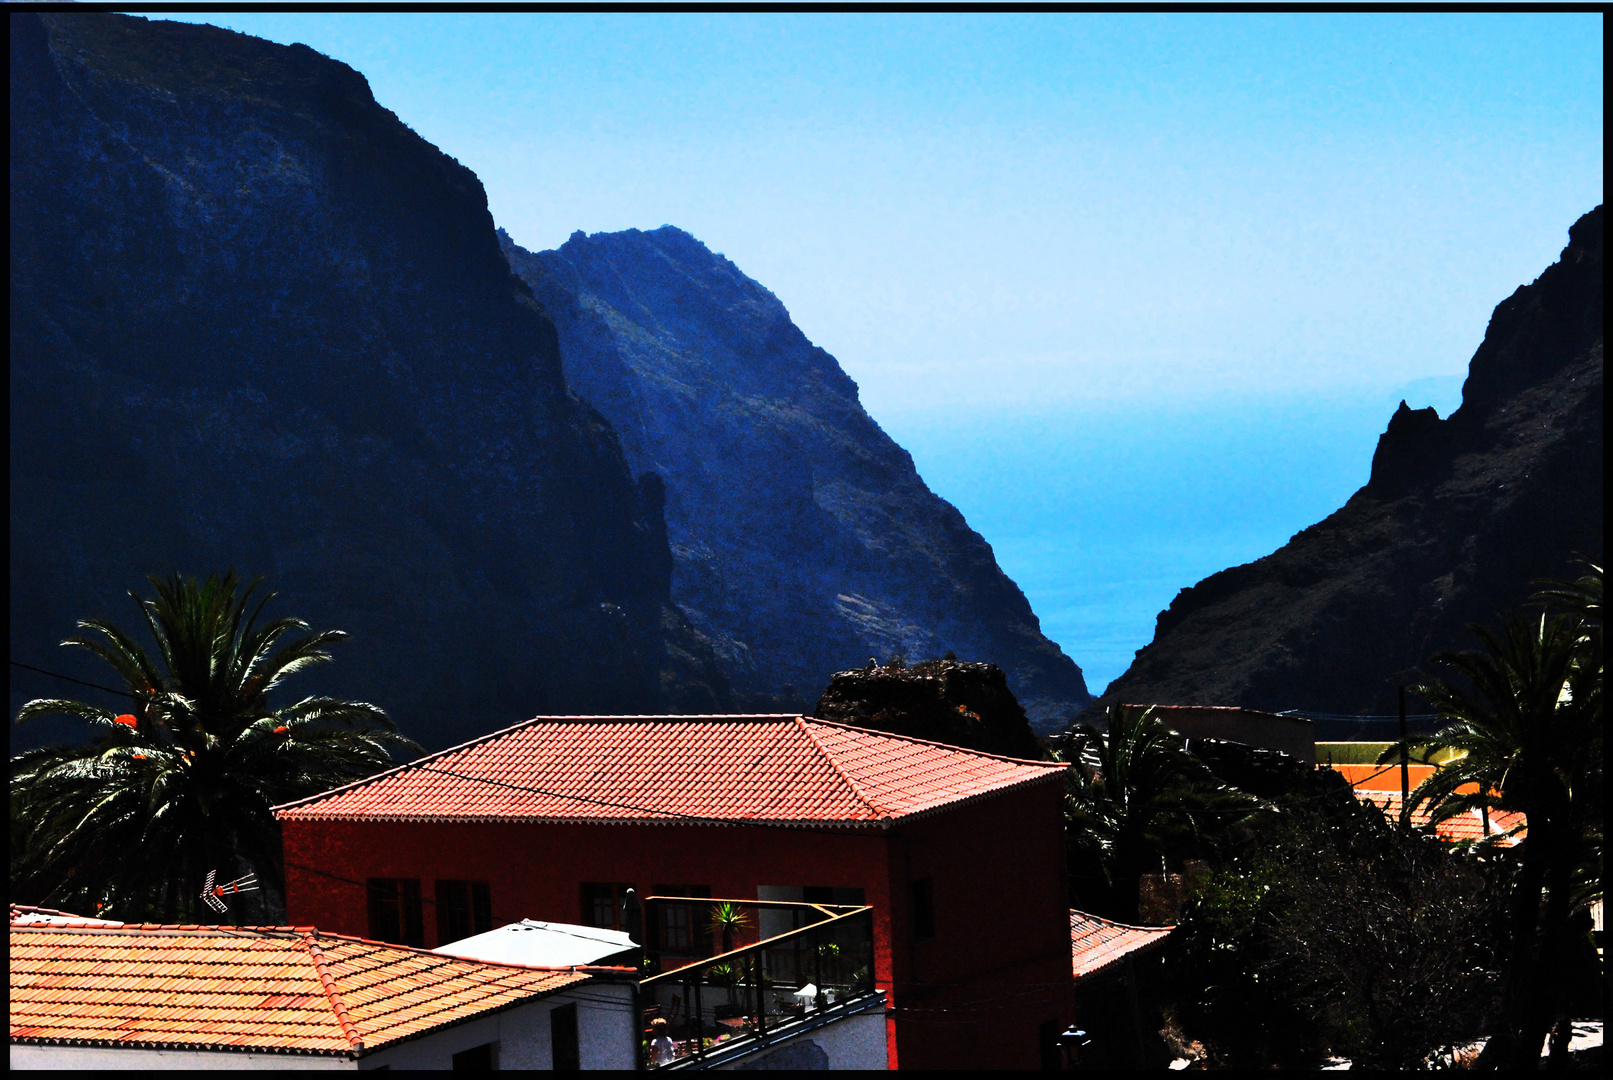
[(777, 769), (1096, 943), (1468, 826), (28, 913), (284, 989)]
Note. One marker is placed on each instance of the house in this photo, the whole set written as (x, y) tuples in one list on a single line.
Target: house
[(93, 994), (1381, 786), (1104, 958), (952, 858), (1293, 735), (1471, 825)]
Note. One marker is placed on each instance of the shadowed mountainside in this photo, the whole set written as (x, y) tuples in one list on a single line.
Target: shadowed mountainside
[(258, 322), (803, 538), (1459, 516)]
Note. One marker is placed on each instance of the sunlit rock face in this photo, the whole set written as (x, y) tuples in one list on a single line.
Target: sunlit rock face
[(257, 322), (803, 539), (1459, 518)]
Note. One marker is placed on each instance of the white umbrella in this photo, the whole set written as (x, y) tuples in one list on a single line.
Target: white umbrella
[(807, 994)]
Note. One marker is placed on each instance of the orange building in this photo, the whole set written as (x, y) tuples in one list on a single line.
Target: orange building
[(1381, 785)]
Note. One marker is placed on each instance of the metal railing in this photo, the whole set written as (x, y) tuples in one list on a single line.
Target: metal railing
[(822, 961)]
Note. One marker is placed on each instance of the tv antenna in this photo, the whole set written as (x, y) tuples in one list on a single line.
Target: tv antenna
[(213, 895)]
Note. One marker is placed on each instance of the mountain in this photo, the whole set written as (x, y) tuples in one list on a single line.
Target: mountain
[(258, 322), (803, 539), (1458, 518)]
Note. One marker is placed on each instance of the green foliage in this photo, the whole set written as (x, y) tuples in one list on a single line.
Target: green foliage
[(182, 783), (727, 919), (1328, 930), (1526, 714), (1135, 795)]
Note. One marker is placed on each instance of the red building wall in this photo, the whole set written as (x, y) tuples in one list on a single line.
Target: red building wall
[(971, 997), (998, 968)]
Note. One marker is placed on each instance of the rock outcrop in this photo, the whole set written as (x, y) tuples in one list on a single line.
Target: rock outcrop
[(1458, 518), (258, 322), (803, 538), (960, 704)]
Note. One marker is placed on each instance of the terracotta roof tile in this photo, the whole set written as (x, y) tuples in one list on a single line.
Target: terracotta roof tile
[(1468, 826), (1096, 943), (777, 769), (275, 989)]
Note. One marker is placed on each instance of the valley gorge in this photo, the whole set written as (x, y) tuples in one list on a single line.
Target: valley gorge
[(1457, 521)]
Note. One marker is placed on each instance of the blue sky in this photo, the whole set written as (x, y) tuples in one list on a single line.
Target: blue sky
[(1137, 291)]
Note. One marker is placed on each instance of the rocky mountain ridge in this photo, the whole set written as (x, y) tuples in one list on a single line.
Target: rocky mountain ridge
[(1457, 519), (803, 538), (258, 322)]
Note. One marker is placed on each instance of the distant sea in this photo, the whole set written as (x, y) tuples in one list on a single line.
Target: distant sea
[(1102, 513)]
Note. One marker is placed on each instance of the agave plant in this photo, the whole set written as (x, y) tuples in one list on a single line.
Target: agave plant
[(181, 782)]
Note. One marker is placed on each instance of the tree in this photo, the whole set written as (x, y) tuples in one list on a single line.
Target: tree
[(1326, 929), (1134, 793), (182, 783), (1526, 718)]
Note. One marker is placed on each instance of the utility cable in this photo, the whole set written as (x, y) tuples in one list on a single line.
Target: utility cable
[(69, 678)]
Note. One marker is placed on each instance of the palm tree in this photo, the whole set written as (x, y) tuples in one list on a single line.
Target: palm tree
[(1134, 791), (1528, 724), (182, 783)]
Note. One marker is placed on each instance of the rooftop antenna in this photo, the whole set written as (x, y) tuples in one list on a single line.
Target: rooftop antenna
[(213, 895)]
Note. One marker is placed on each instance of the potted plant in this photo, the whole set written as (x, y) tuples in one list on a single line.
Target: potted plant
[(726, 920)]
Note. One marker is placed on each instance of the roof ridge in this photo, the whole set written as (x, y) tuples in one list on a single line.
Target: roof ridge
[(501, 732), (856, 789), (327, 982), (1112, 922), (932, 742)]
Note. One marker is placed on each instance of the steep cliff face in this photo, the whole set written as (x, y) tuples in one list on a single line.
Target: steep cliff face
[(257, 322), (1458, 518), (803, 539)]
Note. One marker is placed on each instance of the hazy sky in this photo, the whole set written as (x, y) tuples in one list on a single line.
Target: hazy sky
[(1082, 222)]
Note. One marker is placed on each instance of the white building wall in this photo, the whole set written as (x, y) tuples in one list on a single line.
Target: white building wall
[(108, 1057), (852, 1042), (606, 1034)]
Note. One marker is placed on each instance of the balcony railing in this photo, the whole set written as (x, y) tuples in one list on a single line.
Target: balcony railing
[(761, 986)]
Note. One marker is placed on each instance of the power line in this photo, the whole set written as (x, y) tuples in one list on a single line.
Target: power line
[(69, 678)]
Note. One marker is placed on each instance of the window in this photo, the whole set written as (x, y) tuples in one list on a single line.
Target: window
[(923, 910), (602, 903), (563, 1038), (683, 927), (483, 1058), (395, 912), (823, 894), (463, 908)]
